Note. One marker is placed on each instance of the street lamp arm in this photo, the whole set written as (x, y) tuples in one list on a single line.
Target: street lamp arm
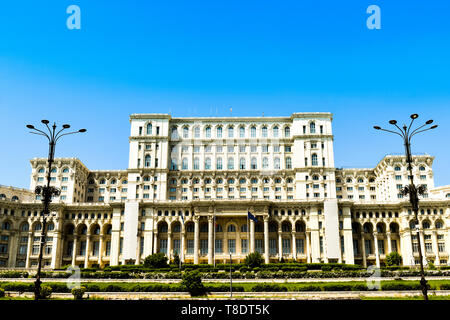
[(65, 134), (41, 134), (416, 132), (403, 135), (56, 135), (392, 132), (417, 129)]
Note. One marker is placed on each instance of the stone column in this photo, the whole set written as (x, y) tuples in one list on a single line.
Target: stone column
[(422, 246), (12, 249), (210, 239), (377, 254), (406, 248), (56, 248), (252, 236), (266, 239), (435, 248), (389, 244), (196, 234), (29, 246), (74, 250), (88, 244), (155, 242), (280, 247), (294, 246), (363, 250), (349, 255), (182, 245), (308, 247), (169, 243), (100, 251)]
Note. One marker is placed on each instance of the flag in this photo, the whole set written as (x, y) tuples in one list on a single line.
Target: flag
[(250, 216)]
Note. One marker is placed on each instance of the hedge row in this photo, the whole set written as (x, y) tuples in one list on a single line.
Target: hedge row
[(62, 287), (260, 274), (14, 274)]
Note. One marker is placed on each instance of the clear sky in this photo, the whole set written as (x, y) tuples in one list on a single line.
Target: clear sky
[(199, 58)]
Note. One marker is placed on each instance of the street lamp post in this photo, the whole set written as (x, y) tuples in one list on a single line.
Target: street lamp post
[(406, 134), (47, 191)]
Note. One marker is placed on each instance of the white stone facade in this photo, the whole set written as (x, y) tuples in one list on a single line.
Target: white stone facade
[(213, 171)]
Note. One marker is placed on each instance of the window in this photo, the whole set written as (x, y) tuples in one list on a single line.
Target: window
[(208, 132), (286, 246), (265, 163), (241, 132), (196, 164), (264, 132), (184, 164), (441, 247), (230, 132), (218, 246), (230, 164), (231, 245), (231, 228), (312, 127), (185, 132), (314, 160), (287, 132), (244, 246), (272, 246), (288, 163), (276, 163), (219, 132), (254, 164), (253, 132), (149, 128), (242, 163), (208, 164), (197, 132), (275, 132)]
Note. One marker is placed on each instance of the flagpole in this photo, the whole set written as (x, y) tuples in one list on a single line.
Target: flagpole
[(214, 242), (248, 237)]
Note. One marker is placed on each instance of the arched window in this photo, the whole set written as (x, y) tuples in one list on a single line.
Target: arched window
[(208, 132), (6, 225), (50, 226), (83, 230), (37, 227), (197, 132), (242, 163), (254, 165), (185, 132), (102, 181), (176, 228), (264, 132), (276, 163), (219, 132), (241, 132), (184, 164), (439, 225), (397, 168), (288, 163), (231, 228), (230, 132), (204, 227), (41, 170), (265, 163), (196, 164), (230, 164), (163, 228), (219, 163), (285, 227), (219, 228), (426, 225), (148, 160), (113, 181), (149, 128), (422, 168), (190, 227), (53, 170), (380, 228), (315, 177), (65, 170), (174, 132), (312, 127), (15, 198), (244, 228), (273, 227), (208, 164), (173, 164), (96, 230), (275, 132), (299, 227), (314, 160), (24, 227), (253, 132), (287, 132), (109, 230)]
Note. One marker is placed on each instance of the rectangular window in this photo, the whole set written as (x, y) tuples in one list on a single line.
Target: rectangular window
[(190, 246), (259, 246), (321, 244), (82, 250), (231, 245), (286, 246), (300, 246), (415, 247), (273, 246), (176, 246), (95, 248), (108, 248), (218, 247), (441, 246), (35, 250), (367, 246), (381, 246), (163, 246), (394, 245), (244, 248), (342, 245), (428, 247), (355, 247), (203, 246)]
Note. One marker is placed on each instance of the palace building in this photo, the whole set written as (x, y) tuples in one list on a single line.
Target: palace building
[(191, 182)]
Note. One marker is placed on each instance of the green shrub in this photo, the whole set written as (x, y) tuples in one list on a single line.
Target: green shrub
[(192, 281), (156, 260), (78, 293), (390, 286), (445, 286), (2, 292), (112, 288), (92, 288), (393, 259), (46, 292), (59, 287), (310, 288), (326, 268), (254, 260), (265, 287)]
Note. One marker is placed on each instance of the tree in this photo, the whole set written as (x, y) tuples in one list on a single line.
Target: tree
[(253, 260), (78, 293), (156, 260), (193, 283), (176, 259), (393, 259)]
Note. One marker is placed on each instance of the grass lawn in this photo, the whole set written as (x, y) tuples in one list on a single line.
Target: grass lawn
[(430, 297)]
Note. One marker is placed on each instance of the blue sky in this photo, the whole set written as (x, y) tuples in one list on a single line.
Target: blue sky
[(199, 58)]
